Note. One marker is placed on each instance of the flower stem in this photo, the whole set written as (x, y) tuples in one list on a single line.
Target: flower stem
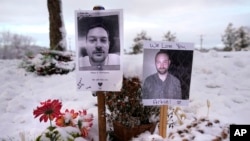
[(50, 121)]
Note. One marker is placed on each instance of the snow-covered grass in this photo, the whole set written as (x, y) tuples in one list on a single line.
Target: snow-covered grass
[(220, 77)]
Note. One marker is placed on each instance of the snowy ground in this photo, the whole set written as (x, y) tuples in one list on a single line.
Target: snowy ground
[(220, 77)]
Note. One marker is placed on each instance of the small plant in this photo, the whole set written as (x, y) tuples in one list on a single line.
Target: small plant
[(126, 106), (208, 106), (29, 54), (175, 116), (49, 62), (69, 125), (180, 116)]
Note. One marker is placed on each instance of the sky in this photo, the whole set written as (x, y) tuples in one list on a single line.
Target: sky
[(188, 20)]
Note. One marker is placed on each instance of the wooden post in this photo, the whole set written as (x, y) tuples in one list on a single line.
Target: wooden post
[(101, 104), (101, 116), (163, 121)]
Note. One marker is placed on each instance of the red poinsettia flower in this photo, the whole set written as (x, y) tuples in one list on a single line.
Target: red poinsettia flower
[(72, 113), (88, 118), (87, 125), (60, 121), (85, 117), (85, 122), (49, 109), (84, 132), (83, 112), (66, 119)]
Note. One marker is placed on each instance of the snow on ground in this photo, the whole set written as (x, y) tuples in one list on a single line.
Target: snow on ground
[(220, 77)]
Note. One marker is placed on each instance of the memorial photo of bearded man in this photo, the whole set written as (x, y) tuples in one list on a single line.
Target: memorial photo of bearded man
[(162, 84)]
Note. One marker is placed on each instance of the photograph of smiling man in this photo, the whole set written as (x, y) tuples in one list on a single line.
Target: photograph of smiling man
[(167, 68), (99, 43)]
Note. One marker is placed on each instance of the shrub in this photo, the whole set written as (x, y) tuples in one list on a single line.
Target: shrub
[(49, 62), (126, 106)]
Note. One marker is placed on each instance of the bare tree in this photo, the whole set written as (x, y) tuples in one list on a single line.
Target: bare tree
[(5, 38), (56, 27), (11, 44)]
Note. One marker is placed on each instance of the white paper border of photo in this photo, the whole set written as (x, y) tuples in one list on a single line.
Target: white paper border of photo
[(156, 46), (99, 80)]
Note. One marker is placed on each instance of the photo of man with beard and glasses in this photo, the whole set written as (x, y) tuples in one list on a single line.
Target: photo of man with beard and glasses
[(162, 84), (99, 45)]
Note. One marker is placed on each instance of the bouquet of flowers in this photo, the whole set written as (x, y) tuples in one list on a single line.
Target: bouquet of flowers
[(69, 125)]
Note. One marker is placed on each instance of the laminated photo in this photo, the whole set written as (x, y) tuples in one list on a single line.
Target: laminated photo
[(167, 68), (99, 40)]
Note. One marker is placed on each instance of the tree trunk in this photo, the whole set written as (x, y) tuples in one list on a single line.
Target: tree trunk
[(56, 26)]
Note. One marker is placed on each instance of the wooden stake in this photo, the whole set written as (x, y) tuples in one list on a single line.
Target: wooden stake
[(101, 116), (101, 104), (163, 121)]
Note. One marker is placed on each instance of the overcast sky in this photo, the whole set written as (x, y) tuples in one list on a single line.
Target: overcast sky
[(188, 19)]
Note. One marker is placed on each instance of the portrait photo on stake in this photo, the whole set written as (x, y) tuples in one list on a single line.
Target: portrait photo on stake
[(98, 42), (167, 74)]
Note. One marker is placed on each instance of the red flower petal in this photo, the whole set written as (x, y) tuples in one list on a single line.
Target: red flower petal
[(49, 109)]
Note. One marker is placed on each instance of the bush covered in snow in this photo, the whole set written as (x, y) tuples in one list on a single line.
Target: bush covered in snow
[(50, 62)]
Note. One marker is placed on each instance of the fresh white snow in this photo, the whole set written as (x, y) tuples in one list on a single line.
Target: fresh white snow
[(219, 77)]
